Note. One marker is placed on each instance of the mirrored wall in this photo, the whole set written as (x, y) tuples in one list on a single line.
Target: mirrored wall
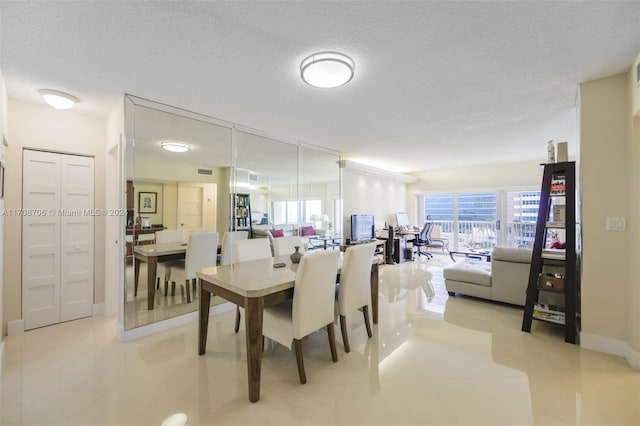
[(230, 178)]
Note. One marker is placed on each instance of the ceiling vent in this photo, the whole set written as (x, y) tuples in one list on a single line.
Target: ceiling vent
[(253, 178), (207, 172)]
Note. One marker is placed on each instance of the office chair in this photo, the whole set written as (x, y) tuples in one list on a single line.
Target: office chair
[(423, 239)]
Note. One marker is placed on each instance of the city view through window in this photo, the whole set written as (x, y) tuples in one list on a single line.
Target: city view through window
[(484, 220)]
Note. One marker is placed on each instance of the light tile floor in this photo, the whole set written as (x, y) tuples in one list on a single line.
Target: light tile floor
[(433, 360)]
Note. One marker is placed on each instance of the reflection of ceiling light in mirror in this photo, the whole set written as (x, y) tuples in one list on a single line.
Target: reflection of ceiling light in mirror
[(327, 69), (177, 419), (175, 146), (58, 100)]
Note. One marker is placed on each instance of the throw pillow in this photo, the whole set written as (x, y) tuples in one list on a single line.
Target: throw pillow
[(275, 233), (308, 230)]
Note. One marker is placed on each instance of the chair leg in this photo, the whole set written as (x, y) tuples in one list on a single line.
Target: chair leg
[(365, 311), (297, 344), (173, 288), (343, 329), (237, 319), (332, 342), (157, 283), (187, 284), (166, 288)]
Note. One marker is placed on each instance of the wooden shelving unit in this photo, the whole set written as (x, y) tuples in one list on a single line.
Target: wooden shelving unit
[(555, 270)]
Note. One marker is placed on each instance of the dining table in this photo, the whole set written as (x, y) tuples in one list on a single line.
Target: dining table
[(151, 254), (255, 285)]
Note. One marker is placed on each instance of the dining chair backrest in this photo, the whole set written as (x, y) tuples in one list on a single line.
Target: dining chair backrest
[(355, 277), (285, 246), (169, 236), (202, 252), (314, 292), (226, 249), (254, 249)]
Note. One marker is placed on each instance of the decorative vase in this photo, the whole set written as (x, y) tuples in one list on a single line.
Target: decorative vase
[(296, 255)]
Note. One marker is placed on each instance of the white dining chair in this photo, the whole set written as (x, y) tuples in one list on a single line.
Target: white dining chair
[(284, 246), (354, 291), (311, 309), (163, 270), (226, 249), (244, 251), (202, 252)]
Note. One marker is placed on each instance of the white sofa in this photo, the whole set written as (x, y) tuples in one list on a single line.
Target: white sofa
[(504, 279), (262, 231)]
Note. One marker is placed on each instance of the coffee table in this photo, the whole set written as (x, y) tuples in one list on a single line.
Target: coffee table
[(472, 254)]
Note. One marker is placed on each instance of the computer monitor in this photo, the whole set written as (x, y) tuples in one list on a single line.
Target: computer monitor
[(402, 219)]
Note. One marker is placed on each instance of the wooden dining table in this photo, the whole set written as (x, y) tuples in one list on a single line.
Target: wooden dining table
[(255, 285), (151, 254)]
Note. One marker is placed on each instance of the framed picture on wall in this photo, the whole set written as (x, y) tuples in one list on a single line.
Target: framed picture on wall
[(147, 202)]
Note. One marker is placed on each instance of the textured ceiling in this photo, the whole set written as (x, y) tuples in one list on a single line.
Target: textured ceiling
[(437, 84)]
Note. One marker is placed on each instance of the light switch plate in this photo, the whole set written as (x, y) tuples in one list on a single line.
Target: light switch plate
[(615, 224)]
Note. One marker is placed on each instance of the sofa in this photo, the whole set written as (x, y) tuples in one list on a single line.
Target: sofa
[(504, 279), (262, 231)]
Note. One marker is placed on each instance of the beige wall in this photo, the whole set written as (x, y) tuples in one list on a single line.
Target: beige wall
[(634, 212), (371, 194), (603, 170), (40, 126), (3, 135)]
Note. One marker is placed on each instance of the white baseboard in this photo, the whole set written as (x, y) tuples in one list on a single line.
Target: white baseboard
[(157, 327), (98, 310), (15, 327), (611, 346)]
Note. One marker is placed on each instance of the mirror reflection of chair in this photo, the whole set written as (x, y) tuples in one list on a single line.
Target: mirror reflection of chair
[(354, 291), (226, 249), (285, 246), (436, 238), (244, 251), (202, 252), (311, 309), (163, 270), (423, 239)]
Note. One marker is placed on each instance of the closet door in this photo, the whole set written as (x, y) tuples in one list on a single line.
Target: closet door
[(40, 239), (76, 238), (57, 238)]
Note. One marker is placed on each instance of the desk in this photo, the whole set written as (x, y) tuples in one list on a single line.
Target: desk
[(255, 285), (151, 254)]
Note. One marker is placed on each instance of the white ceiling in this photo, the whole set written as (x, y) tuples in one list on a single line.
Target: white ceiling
[(437, 84)]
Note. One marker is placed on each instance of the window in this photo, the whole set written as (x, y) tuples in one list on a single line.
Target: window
[(286, 212), (484, 220)]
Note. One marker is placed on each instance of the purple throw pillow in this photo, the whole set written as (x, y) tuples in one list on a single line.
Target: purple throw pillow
[(308, 230), (275, 233)]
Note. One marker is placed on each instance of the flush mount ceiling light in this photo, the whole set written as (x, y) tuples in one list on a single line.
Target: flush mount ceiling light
[(327, 69), (58, 100), (175, 146)]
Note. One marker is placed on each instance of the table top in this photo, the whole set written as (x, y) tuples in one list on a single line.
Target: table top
[(257, 278), (150, 250)]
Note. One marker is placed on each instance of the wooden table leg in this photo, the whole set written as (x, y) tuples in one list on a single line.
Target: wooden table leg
[(375, 276), (253, 325), (152, 263), (136, 275), (203, 324)]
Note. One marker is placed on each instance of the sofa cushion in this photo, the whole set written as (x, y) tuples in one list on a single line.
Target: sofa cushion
[(469, 271), (275, 233), (519, 255)]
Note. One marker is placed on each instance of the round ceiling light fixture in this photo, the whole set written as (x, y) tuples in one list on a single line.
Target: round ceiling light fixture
[(327, 69), (58, 100), (174, 146)]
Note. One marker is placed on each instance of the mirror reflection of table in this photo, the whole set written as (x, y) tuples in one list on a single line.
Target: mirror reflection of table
[(255, 285), (326, 240), (151, 254)]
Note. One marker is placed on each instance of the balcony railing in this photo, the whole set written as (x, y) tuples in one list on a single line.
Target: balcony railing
[(471, 234)]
